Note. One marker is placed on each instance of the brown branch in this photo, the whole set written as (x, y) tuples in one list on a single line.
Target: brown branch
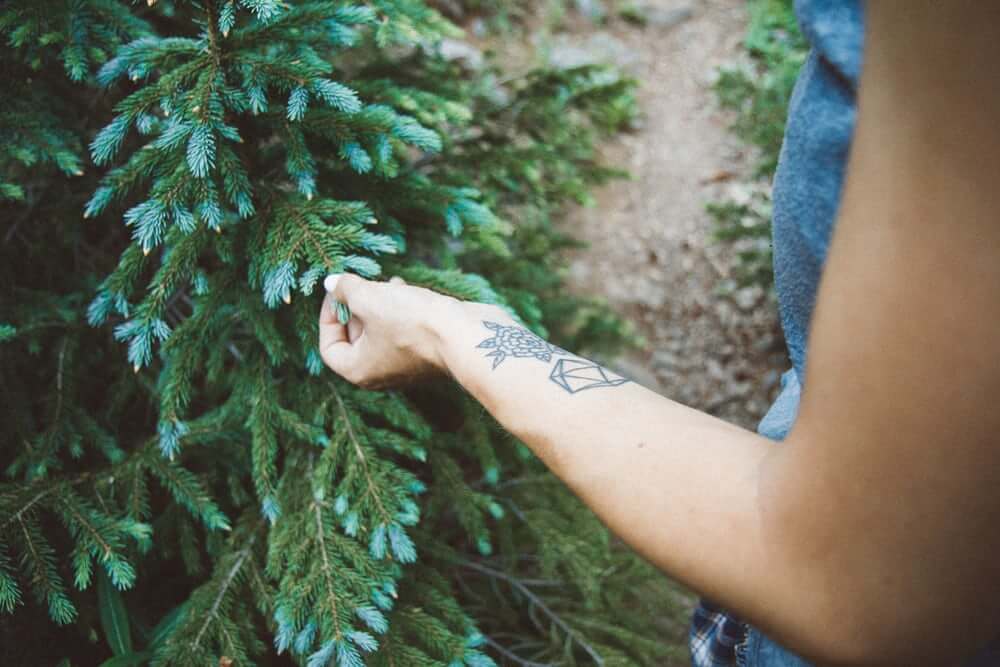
[(327, 574), (226, 583), (537, 602)]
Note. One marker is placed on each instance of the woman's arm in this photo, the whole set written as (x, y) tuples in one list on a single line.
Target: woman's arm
[(658, 473), (678, 485), (871, 536)]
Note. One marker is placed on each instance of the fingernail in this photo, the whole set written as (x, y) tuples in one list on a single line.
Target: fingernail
[(330, 283)]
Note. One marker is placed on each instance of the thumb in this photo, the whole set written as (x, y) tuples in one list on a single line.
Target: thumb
[(335, 346)]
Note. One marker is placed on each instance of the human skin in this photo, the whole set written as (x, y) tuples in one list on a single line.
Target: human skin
[(871, 536)]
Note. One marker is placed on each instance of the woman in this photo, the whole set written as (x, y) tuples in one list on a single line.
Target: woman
[(871, 536)]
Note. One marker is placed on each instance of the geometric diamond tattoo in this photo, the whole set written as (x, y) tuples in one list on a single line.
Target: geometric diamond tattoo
[(572, 373), (575, 375), (516, 342)]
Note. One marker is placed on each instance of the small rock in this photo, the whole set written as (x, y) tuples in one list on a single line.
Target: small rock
[(724, 312), (651, 14), (568, 56), (599, 48), (748, 298), (770, 380), (756, 407), (592, 9), (479, 27), (739, 389), (456, 49), (740, 193), (716, 371), (664, 18), (666, 359)]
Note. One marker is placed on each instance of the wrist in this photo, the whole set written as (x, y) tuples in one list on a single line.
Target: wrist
[(452, 323), (446, 315)]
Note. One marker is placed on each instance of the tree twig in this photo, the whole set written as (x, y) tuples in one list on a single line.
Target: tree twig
[(537, 602), (510, 655), (243, 555)]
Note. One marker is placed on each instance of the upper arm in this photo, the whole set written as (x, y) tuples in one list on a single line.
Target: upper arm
[(888, 499)]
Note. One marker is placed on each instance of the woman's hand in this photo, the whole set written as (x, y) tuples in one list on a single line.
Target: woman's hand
[(394, 332)]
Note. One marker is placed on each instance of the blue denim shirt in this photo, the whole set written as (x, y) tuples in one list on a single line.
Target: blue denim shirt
[(807, 188)]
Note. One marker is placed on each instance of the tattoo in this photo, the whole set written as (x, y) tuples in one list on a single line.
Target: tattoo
[(575, 375), (517, 342), (572, 373)]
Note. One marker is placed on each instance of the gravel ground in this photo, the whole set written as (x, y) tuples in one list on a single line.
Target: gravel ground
[(650, 253)]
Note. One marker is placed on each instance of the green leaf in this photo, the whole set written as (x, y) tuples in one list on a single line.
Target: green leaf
[(114, 616)]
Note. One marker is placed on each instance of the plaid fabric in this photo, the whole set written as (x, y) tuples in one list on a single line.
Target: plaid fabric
[(715, 636)]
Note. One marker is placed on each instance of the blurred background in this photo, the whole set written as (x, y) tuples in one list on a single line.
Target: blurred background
[(680, 246)]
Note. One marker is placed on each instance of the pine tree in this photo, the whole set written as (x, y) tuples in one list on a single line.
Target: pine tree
[(184, 484)]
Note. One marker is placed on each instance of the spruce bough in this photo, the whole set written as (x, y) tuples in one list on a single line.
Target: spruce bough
[(183, 483)]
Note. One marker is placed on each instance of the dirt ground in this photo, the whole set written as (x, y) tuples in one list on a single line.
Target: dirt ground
[(650, 253)]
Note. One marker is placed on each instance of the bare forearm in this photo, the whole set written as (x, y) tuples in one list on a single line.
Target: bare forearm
[(678, 485)]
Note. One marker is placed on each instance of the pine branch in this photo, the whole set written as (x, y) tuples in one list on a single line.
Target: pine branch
[(371, 489), (254, 145), (89, 527), (31, 503), (327, 571), (227, 581), (537, 602)]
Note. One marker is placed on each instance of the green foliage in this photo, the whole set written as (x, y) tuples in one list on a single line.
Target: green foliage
[(748, 226), (759, 95), (184, 483)]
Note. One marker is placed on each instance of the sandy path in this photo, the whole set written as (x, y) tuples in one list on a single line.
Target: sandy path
[(650, 252)]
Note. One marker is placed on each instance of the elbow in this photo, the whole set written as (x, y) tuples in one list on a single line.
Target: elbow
[(867, 616), (839, 597), (835, 620)]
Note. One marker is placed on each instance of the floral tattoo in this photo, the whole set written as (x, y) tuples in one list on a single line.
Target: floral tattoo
[(572, 373)]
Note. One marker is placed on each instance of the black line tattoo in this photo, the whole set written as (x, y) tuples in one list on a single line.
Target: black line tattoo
[(574, 374), (516, 342)]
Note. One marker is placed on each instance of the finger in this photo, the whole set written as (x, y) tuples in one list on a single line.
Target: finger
[(354, 291), (355, 327), (331, 331), (342, 358), (349, 360), (335, 350)]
